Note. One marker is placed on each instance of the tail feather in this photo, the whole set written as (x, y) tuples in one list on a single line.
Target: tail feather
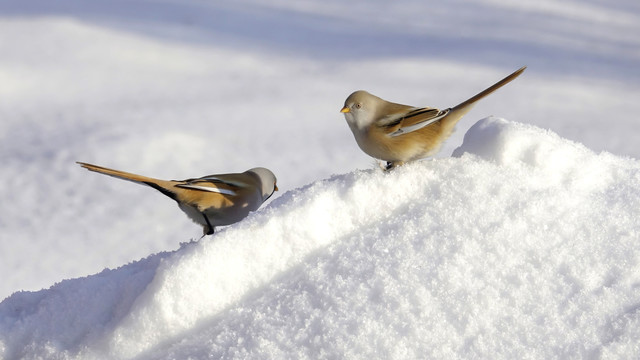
[(460, 110), (490, 89), (161, 185)]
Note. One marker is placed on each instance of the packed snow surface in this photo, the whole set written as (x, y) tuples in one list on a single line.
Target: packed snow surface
[(522, 245), (181, 89)]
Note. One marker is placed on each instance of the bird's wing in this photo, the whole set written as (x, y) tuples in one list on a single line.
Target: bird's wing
[(411, 121), (213, 183)]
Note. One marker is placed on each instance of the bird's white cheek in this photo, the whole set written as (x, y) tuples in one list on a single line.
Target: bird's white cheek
[(349, 117), (357, 122)]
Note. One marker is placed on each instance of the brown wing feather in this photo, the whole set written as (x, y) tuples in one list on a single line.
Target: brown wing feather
[(202, 200), (239, 185), (413, 117)]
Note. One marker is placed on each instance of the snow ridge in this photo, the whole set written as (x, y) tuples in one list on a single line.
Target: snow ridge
[(523, 244)]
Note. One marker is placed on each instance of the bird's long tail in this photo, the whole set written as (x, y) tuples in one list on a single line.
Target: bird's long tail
[(490, 89), (460, 110), (163, 186), (118, 174)]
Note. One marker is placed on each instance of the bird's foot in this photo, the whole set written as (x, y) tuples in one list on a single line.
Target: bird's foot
[(389, 165), (207, 230)]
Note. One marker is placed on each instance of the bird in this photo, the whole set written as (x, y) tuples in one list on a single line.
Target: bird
[(396, 133), (212, 200)]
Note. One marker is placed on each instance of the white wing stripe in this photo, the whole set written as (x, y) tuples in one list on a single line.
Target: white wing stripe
[(209, 189), (418, 126), (232, 183)]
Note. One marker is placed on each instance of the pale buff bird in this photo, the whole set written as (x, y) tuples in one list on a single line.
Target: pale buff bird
[(398, 133), (213, 200)]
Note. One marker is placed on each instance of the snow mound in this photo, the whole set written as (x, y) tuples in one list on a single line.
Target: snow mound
[(523, 244)]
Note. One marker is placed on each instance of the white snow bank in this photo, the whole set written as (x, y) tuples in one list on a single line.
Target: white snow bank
[(523, 245)]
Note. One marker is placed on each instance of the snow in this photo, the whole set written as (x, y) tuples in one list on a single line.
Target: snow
[(496, 252), (520, 245)]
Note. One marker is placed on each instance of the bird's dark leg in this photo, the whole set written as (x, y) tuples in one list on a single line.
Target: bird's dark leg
[(209, 229), (389, 165)]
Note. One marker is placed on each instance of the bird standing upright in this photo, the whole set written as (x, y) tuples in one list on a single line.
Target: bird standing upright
[(212, 200), (398, 133)]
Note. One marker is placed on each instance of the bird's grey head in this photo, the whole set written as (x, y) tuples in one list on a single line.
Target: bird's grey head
[(360, 109), (267, 181)]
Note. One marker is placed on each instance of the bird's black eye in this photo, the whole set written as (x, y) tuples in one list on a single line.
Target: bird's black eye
[(358, 106)]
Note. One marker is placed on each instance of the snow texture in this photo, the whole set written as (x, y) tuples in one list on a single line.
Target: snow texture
[(183, 89), (523, 245)]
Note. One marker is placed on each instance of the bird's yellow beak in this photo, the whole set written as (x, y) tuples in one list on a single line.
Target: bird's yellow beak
[(275, 187), (345, 110)]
